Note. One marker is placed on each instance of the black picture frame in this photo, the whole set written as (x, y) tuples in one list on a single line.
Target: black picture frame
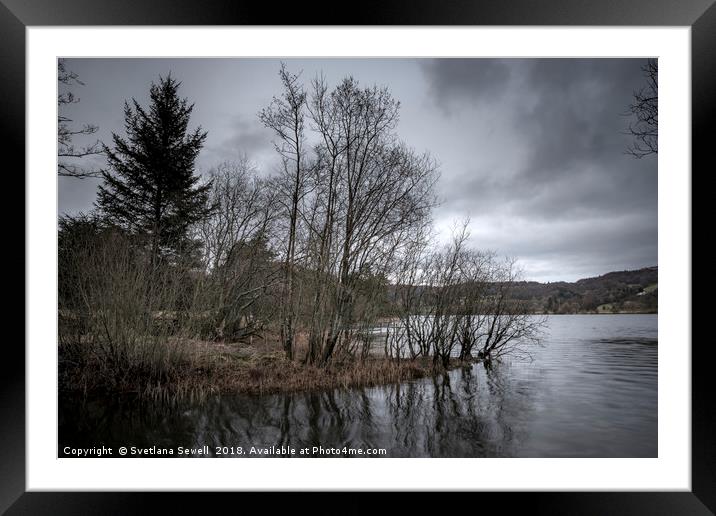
[(16, 15)]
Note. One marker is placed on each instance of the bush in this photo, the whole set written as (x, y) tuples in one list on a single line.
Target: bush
[(121, 319)]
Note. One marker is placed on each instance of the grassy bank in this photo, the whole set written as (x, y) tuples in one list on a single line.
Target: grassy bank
[(198, 369)]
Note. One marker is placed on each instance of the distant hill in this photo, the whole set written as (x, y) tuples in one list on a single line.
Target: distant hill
[(634, 291), (615, 292)]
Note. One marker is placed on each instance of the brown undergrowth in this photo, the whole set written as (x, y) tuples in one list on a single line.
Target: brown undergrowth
[(204, 368)]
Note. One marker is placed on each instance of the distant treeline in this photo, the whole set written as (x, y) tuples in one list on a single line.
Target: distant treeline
[(621, 291)]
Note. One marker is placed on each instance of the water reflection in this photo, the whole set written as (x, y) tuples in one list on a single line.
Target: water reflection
[(590, 392)]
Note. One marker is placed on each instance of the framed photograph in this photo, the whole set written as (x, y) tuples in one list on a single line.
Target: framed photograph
[(452, 243)]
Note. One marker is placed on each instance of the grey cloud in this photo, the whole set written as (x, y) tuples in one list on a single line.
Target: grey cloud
[(587, 192), (565, 115), (583, 248), (244, 137), (549, 183), (451, 81)]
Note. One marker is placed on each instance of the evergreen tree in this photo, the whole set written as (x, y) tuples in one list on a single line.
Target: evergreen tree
[(151, 189)]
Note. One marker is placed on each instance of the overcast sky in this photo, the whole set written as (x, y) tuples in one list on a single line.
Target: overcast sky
[(531, 150)]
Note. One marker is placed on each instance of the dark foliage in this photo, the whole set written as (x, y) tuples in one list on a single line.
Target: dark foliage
[(151, 189)]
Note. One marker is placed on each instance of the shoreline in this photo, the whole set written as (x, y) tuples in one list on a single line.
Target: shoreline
[(235, 368), (258, 367)]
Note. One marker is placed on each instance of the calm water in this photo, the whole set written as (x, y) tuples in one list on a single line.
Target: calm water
[(591, 391)]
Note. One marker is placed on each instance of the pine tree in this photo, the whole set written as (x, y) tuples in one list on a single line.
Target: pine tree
[(150, 188)]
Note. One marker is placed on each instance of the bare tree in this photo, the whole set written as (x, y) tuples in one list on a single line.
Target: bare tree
[(349, 201), (445, 280), (456, 300), (433, 298), (286, 117), (325, 116), (508, 327), (382, 189), (473, 303), (645, 114), (240, 276), (242, 209), (410, 288), (68, 154)]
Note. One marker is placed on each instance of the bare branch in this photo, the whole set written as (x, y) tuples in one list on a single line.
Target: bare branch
[(644, 112)]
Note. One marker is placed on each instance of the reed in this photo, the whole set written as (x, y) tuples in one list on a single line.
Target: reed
[(198, 369)]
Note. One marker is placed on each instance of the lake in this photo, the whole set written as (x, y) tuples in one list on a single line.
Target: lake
[(589, 391)]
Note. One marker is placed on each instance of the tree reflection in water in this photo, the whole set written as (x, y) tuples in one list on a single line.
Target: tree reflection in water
[(462, 413), (592, 392)]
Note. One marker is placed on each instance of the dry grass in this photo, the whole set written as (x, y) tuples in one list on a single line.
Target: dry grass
[(273, 373), (259, 367)]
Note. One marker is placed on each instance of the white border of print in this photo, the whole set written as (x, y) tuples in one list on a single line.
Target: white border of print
[(671, 470)]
